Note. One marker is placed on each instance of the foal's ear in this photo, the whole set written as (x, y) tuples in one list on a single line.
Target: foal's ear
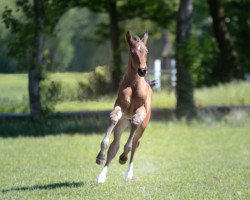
[(129, 39), (145, 38)]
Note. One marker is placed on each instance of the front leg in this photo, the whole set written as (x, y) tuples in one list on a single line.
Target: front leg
[(136, 121), (115, 116)]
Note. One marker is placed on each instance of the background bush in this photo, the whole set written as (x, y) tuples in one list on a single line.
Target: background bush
[(50, 94), (98, 83)]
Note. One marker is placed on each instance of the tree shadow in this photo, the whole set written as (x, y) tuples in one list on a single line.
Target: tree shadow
[(9, 128), (66, 123), (51, 186), (81, 122)]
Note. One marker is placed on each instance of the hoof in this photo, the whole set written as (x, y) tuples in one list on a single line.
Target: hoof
[(123, 160), (100, 159)]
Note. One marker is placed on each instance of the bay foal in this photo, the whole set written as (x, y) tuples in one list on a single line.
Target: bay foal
[(132, 106)]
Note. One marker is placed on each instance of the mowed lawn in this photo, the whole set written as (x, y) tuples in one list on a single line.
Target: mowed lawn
[(176, 160)]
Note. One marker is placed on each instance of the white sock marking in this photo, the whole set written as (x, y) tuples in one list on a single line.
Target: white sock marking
[(129, 174), (102, 176)]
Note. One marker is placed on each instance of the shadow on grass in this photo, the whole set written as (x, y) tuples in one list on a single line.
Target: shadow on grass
[(65, 124), (52, 127), (28, 128), (89, 125), (51, 186)]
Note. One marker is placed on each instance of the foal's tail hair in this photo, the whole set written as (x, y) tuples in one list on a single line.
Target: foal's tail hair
[(152, 83)]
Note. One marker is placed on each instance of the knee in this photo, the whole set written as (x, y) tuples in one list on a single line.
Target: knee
[(104, 144), (116, 115), (139, 117), (137, 120)]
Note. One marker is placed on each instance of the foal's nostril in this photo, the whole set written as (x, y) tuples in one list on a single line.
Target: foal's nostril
[(142, 72)]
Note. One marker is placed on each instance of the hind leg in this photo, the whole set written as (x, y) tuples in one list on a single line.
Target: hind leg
[(135, 144), (115, 116), (114, 146), (127, 147)]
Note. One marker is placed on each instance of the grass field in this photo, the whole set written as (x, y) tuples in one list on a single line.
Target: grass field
[(176, 160), (14, 94)]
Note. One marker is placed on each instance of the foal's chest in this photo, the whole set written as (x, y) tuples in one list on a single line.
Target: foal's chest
[(132, 98)]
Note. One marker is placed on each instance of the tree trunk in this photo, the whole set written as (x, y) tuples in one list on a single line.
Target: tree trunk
[(116, 71), (35, 75), (184, 89), (229, 66)]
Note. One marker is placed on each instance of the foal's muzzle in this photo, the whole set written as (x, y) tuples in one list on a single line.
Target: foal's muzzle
[(142, 72)]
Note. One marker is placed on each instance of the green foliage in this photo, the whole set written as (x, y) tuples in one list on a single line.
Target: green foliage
[(98, 83), (19, 19), (237, 19), (20, 27), (74, 45), (72, 38), (50, 94), (202, 55), (159, 11)]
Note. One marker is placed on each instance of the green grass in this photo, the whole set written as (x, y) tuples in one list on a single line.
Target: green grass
[(235, 93), (14, 89), (14, 94), (175, 160)]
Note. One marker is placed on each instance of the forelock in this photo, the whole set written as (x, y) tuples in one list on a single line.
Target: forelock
[(141, 44), (136, 38)]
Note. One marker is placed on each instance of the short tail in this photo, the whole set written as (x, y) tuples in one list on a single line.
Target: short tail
[(152, 83)]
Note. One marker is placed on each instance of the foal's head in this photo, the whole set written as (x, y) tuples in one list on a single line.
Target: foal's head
[(138, 52)]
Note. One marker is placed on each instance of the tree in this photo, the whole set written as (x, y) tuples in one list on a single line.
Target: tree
[(237, 20), (184, 89), (120, 10), (109, 7), (229, 66), (29, 30), (116, 73), (37, 59)]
